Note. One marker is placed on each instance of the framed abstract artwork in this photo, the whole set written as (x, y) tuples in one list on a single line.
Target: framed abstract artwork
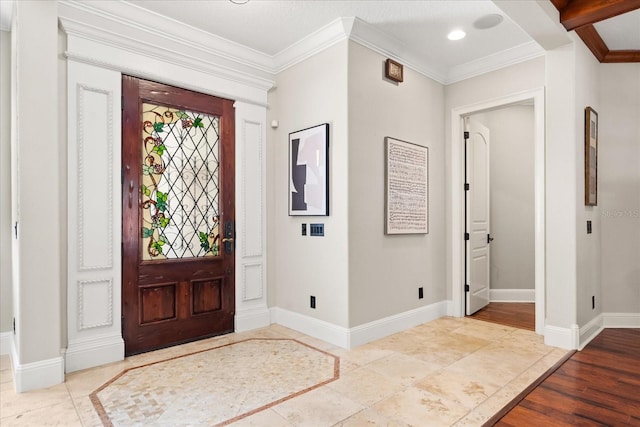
[(309, 171), (590, 157), (406, 187)]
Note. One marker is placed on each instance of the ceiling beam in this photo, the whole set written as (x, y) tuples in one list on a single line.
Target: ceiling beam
[(594, 42), (577, 13)]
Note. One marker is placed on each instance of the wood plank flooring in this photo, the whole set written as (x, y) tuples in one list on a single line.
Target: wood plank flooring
[(515, 314), (598, 386)]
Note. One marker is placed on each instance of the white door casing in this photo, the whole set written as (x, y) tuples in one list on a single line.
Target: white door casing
[(93, 265), (456, 201), (477, 221)]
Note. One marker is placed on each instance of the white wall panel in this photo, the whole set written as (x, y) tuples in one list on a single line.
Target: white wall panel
[(252, 279), (95, 171), (94, 217), (92, 310), (252, 188), (251, 286)]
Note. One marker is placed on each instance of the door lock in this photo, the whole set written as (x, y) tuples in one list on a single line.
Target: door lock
[(228, 239)]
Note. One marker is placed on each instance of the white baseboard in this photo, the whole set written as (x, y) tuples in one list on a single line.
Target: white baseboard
[(253, 318), (94, 351), (390, 325), (590, 331), (311, 326), (512, 295), (36, 375), (6, 342), (359, 335), (566, 338), (621, 320)]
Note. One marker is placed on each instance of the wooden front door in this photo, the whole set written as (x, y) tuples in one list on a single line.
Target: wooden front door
[(178, 215)]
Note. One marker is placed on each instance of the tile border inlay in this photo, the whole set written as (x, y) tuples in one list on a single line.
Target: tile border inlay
[(106, 421)]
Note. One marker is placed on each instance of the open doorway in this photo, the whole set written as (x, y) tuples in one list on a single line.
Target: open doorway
[(500, 215), (458, 265)]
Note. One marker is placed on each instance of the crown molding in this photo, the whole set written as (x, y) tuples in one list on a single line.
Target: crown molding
[(369, 36), (6, 14), (321, 39), (505, 58), (126, 26)]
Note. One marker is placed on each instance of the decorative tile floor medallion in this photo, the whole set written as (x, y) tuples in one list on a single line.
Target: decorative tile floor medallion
[(216, 386)]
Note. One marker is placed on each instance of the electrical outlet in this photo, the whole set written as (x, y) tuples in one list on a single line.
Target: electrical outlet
[(420, 293), (589, 228), (312, 302), (304, 229)]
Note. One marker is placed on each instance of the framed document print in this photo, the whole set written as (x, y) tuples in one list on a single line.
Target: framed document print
[(406, 187), (590, 157)]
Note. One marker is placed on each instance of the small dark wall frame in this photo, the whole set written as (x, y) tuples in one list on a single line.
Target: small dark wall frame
[(590, 157), (394, 70), (309, 171)]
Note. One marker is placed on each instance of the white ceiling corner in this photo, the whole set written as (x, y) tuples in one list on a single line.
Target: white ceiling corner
[(6, 14)]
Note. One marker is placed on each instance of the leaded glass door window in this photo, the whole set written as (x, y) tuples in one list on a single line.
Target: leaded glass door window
[(178, 159), (180, 185)]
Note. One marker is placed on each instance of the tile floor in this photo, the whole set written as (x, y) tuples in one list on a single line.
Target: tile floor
[(448, 372)]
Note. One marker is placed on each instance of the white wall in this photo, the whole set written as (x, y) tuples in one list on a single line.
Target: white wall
[(561, 190), (37, 201), (587, 245), (385, 271), (6, 311), (512, 196), (619, 186), (310, 93)]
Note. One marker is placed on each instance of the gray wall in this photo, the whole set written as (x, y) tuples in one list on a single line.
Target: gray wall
[(6, 311), (385, 271), (619, 186), (308, 94), (512, 197)]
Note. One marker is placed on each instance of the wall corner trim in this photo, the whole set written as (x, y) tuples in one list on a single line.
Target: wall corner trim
[(252, 318), (557, 336), (36, 375), (362, 334), (621, 320), (590, 331), (94, 351), (512, 295)]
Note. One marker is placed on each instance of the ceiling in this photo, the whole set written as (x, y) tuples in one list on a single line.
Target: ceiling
[(609, 28), (420, 28)]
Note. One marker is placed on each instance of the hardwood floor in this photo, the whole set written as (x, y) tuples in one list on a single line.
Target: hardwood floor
[(598, 386), (518, 315)]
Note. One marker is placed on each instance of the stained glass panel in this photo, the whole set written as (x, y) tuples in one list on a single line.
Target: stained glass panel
[(180, 186)]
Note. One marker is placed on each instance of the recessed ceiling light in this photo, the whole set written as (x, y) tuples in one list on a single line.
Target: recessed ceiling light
[(488, 21), (456, 35), (239, 1)]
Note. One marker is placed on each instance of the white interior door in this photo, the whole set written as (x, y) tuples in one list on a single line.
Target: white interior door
[(477, 221)]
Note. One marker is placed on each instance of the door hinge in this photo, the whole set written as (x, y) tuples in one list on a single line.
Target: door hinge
[(489, 238), (466, 236), (122, 326), (121, 102), (14, 326), (466, 186), (466, 135), (466, 288)]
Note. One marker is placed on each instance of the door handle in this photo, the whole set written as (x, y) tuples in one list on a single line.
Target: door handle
[(227, 240), (130, 193)]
